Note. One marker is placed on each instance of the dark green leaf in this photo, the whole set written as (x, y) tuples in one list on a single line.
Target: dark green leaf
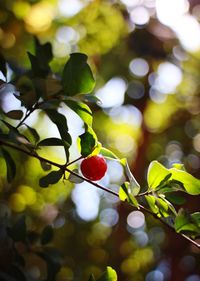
[(15, 114), (51, 142), (18, 231), (184, 222), (83, 111), (45, 166), (43, 51), (52, 178), (91, 98), (77, 76), (40, 61), (34, 133), (87, 143), (61, 122), (47, 235), (125, 194), (10, 164), (175, 199), (3, 68), (109, 275)]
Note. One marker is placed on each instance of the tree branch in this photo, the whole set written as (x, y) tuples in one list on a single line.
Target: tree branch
[(64, 167)]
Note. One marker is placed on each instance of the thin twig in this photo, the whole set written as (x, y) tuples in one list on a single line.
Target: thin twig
[(60, 166)]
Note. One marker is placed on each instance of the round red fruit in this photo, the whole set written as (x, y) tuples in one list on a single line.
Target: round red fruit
[(94, 167)]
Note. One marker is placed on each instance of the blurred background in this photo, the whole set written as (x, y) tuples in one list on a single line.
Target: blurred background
[(145, 55)]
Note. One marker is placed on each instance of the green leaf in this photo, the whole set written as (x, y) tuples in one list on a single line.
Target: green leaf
[(163, 207), (52, 178), (34, 133), (190, 183), (134, 185), (15, 114), (61, 122), (51, 142), (175, 199), (40, 61), (45, 166), (87, 142), (91, 98), (77, 77), (10, 164), (151, 200), (125, 194), (184, 222), (47, 235), (83, 111), (108, 154), (196, 218), (109, 275), (156, 174)]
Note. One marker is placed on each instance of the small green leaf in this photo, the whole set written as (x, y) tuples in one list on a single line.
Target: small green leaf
[(108, 154), (151, 200), (156, 174), (109, 275), (77, 77), (10, 164), (34, 133), (83, 111), (45, 166), (125, 194), (61, 122), (184, 222), (47, 235), (87, 142), (52, 178), (134, 185), (15, 114), (51, 142), (91, 98)]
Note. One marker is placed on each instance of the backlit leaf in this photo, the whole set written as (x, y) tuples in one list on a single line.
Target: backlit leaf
[(156, 174), (83, 111), (109, 275), (77, 77)]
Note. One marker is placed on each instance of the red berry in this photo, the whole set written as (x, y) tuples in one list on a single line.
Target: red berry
[(94, 167)]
